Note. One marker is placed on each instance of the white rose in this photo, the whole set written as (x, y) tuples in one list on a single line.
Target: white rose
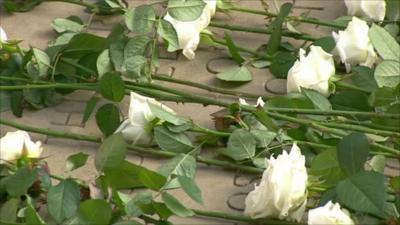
[(260, 102), (329, 214), (15, 145), (282, 192), (312, 71), (137, 128), (189, 31), (353, 45), (371, 9), (3, 35)]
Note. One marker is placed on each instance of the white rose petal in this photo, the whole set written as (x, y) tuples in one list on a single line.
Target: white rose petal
[(282, 192), (329, 214), (137, 128), (15, 145), (189, 31), (260, 102), (370, 9), (3, 35), (312, 71), (353, 45)]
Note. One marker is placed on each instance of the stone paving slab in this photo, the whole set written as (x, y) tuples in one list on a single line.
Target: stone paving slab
[(222, 190)]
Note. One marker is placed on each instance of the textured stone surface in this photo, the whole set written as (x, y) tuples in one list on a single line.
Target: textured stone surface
[(222, 190)]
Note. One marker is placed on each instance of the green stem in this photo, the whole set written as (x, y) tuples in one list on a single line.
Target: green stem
[(314, 124), (238, 217), (167, 78), (260, 31), (361, 129), (138, 149), (47, 86), (242, 49), (344, 85), (290, 18)]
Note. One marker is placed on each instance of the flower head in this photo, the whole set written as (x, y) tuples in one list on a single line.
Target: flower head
[(189, 31), (329, 214), (353, 45), (312, 71), (15, 145), (374, 10), (282, 192), (137, 128)]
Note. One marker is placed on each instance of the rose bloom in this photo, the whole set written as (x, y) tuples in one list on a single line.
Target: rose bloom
[(189, 31), (329, 214), (370, 9), (282, 192), (137, 129), (353, 45), (18, 144), (312, 71)]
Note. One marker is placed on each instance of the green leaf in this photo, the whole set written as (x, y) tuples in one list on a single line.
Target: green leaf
[(175, 206), (319, 101), (172, 142), (326, 43), (40, 65), (393, 10), (112, 87), (263, 118), (151, 179), (378, 163), (281, 64), (111, 153), (124, 177), (95, 211), (364, 78), (90, 105), (167, 31), (136, 46), (363, 192), (140, 19), (326, 166), (133, 67), (180, 165), (384, 43), (76, 161), (19, 183), (17, 102), (84, 43), (103, 63), (241, 145), (191, 188), (63, 200), (185, 10), (107, 119), (9, 209), (234, 52), (387, 73), (352, 152), (383, 97), (236, 74), (31, 216), (62, 25), (351, 101), (263, 137), (165, 115), (276, 28)]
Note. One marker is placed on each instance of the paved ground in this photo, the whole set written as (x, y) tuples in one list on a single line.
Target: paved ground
[(222, 190)]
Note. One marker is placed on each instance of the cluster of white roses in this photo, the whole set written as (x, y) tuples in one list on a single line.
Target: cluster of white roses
[(282, 193), (18, 144), (353, 47), (189, 31)]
